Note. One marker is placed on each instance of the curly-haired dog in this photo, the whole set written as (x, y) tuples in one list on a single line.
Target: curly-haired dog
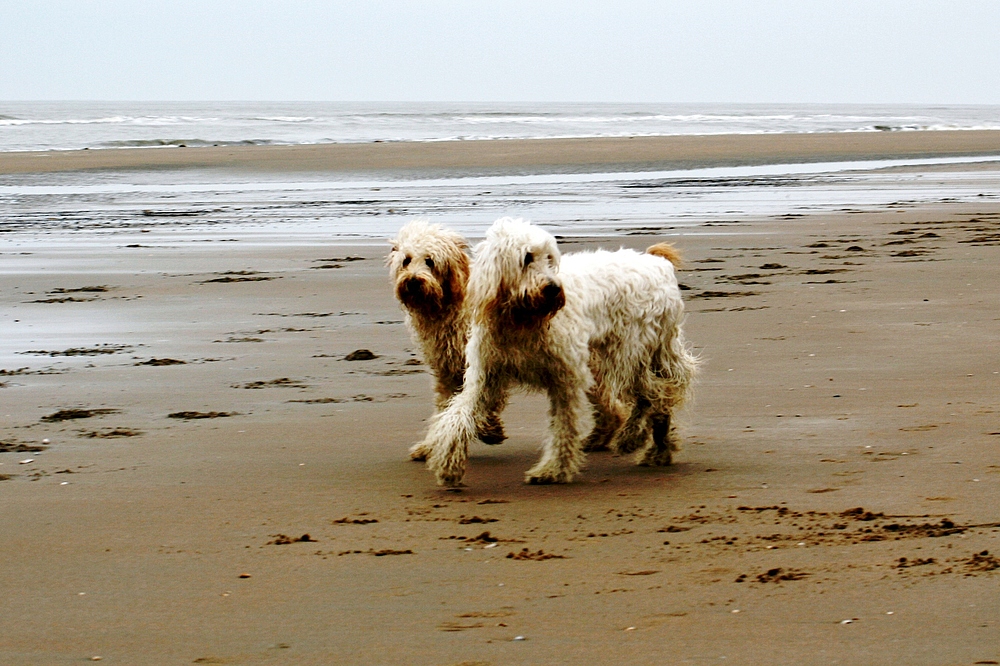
[(430, 269), (609, 433), (558, 324)]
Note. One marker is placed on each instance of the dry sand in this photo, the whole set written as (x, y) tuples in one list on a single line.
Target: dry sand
[(835, 502)]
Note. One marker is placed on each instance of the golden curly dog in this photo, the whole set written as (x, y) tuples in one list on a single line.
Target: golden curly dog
[(430, 268), (607, 324)]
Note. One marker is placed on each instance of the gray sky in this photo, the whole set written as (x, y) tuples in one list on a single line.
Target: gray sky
[(559, 50)]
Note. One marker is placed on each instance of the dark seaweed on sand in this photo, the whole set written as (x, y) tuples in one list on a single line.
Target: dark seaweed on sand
[(71, 414), (187, 416), (244, 278), (113, 433), (284, 540), (156, 362), (80, 351), (100, 288), (722, 294), (19, 447)]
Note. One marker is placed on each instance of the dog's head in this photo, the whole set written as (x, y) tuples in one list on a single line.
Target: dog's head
[(429, 268), (515, 276)]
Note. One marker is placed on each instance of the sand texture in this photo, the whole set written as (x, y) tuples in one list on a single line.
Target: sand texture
[(192, 471), (835, 501), (614, 154)]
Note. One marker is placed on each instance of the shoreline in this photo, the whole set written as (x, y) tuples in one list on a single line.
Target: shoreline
[(535, 155)]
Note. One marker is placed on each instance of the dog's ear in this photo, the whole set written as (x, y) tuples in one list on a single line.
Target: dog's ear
[(462, 265), (483, 289), (457, 277), (392, 250)]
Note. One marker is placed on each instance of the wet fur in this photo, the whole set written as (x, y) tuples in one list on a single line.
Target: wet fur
[(429, 267), (597, 331)]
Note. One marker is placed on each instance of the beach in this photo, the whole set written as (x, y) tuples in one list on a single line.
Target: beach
[(586, 154), (193, 472)]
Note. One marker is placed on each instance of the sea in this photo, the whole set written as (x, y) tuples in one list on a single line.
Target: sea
[(76, 125), (82, 208)]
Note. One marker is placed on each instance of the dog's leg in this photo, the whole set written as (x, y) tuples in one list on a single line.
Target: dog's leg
[(634, 435), (442, 394), (446, 445), (666, 389), (456, 427), (562, 454), (489, 427), (607, 420), (664, 443)]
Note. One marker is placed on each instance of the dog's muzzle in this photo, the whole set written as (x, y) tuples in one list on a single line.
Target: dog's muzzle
[(553, 297), (413, 293), (532, 309), (412, 287)]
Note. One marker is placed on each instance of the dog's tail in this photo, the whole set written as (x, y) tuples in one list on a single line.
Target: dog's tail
[(666, 251)]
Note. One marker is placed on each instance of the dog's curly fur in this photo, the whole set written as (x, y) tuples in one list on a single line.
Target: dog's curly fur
[(602, 327), (429, 267), (643, 422)]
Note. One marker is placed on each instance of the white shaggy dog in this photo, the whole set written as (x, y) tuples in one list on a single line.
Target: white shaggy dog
[(607, 323), (430, 268)]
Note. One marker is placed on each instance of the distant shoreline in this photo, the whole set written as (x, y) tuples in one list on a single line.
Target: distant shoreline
[(524, 155)]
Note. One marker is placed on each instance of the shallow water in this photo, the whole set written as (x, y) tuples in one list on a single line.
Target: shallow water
[(121, 208)]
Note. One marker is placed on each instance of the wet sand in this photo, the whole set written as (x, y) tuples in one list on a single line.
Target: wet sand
[(604, 154), (835, 501)]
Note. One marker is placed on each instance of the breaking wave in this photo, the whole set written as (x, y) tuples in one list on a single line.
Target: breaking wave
[(181, 143), (34, 126)]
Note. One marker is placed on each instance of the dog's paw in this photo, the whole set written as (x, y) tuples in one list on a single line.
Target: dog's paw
[(491, 437), (450, 479), (653, 458), (447, 470), (420, 452), (492, 431), (603, 434), (631, 442), (537, 476)]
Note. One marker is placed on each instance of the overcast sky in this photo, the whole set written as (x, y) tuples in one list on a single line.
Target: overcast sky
[(510, 50)]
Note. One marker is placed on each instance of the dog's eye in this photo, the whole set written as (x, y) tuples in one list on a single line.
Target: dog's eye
[(406, 261), (429, 262), (528, 258)]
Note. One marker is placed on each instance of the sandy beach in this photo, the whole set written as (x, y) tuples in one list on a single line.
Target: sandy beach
[(604, 154), (192, 472)]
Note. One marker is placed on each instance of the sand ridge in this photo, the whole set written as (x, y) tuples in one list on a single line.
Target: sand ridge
[(589, 154)]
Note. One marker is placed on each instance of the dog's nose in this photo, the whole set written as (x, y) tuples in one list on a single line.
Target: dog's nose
[(551, 291), (412, 287)]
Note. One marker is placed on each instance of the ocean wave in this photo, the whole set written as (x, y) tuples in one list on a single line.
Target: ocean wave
[(31, 126), (109, 120), (288, 119), (719, 132), (181, 143), (622, 118)]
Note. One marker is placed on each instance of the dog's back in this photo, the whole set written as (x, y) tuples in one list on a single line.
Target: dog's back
[(611, 272)]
